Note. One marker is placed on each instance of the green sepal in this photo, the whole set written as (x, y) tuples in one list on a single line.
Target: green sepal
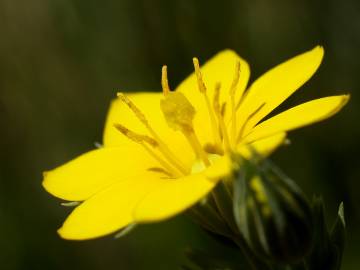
[(125, 231), (207, 216), (338, 236), (223, 198), (271, 212), (328, 247), (320, 257)]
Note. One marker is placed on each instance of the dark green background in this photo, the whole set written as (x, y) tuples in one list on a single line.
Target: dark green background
[(62, 61)]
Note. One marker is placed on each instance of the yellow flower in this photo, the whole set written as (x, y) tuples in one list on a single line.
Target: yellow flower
[(163, 152)]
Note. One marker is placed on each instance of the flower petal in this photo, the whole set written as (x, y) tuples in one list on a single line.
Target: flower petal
[(89, 173), (110, 209), (220, 68), (149, 104), (173, 198), (276, 85), (301, 115), (264, 147)]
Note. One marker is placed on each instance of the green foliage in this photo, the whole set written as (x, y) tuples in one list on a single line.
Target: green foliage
[(290, 234)]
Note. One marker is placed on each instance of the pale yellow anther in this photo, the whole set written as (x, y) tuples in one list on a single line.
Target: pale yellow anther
[(218, 110), (178, 111), (202, 89), (232, 100), (236, 79), (216, 100), (139, 138), (132, 107), (143, 140), (201, 84), (164, 81)]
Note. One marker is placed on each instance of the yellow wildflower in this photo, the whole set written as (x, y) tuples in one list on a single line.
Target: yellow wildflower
[(163, 152)]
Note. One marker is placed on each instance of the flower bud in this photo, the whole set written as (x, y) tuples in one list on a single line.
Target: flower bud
[(271, 212)]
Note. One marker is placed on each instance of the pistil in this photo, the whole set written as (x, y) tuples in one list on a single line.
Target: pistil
[(179, 115)]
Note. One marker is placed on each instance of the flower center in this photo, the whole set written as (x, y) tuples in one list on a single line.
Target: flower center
[(179, 114)]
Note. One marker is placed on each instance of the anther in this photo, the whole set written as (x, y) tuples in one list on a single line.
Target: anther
[(164, 81), (216, 100), (201, 84), (135, 136), (202, 89), (232, 100), (142, 140), (132, 107), (236, 79), (218, 110)]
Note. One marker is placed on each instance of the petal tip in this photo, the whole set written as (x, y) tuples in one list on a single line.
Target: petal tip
[(45, 181), (65, 234), (319, 49), (344, 100)]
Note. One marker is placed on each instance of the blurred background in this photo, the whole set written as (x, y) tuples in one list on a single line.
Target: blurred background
[(62, 61)]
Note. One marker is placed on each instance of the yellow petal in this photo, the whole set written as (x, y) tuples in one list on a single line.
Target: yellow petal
[(264, 147), (276, 85), (301, 115), (220, 68), (110, 209), (176, 196), (149, 104), (220, 168), (89, 173)]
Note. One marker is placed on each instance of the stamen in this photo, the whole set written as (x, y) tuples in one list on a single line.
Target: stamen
[(135, 136), (200, 81), (179, 115), (218, 111), (164, 81), (232, 100), (240, 134), (162, 146), (135, 110), (142, 140), (202, 89)]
